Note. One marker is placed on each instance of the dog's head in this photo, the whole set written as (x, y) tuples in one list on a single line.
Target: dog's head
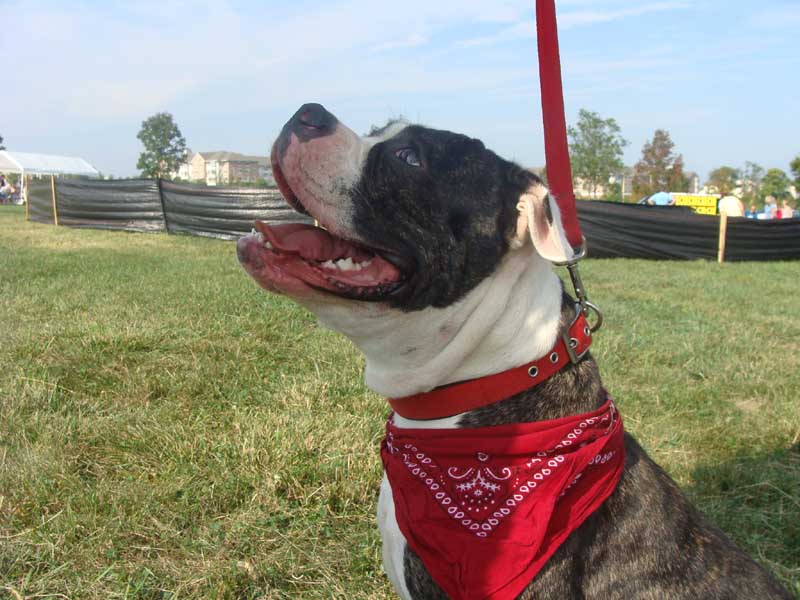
[(410, 217)]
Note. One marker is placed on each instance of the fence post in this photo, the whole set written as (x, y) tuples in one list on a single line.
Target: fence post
[(27, 183), (723, 234), (55, 205), (163, 208)]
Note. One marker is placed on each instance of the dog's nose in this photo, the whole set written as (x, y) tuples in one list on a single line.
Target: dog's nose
[(312, 120)]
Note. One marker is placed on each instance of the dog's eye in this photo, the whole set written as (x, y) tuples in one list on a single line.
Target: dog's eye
[(409, 156)]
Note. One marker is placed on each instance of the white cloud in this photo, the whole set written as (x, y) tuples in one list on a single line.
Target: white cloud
[(570, 19), (518, 31), (778, 17), (131, 58), (578, 18), (410, 41)]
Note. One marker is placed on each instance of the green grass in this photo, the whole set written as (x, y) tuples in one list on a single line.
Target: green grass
[(168, 430)]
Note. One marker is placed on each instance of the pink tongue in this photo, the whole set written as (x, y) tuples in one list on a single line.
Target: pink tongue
[(312, 243)]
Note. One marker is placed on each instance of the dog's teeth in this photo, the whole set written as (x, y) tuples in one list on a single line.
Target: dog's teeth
[(345, 264), (262, 240)]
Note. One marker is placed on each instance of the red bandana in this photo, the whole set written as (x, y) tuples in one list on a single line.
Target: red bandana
[(485, 508)]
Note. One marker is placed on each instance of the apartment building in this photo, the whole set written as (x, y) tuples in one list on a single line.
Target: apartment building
[(226, 168), (583, 189)]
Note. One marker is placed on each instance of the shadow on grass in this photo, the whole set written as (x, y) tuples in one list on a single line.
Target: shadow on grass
[(755, 499)]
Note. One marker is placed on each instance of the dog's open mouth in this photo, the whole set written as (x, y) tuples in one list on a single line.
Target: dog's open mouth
[(282, 256)]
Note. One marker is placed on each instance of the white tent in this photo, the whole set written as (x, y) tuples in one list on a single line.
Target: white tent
[(27, 163)]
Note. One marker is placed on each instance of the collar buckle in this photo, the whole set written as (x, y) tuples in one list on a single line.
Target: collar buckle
[(571, 343)]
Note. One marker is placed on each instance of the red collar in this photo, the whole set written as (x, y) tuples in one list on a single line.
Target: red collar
[(468, 395)]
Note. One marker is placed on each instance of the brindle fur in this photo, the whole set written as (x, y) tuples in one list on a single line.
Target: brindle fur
[(646, 541)]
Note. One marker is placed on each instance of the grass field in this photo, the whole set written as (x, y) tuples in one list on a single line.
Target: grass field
[(168, 430)]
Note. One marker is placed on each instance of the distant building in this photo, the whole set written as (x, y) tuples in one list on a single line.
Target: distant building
[(184, 171), (694, 182), (226, 168), (583, 190), (625, 181)]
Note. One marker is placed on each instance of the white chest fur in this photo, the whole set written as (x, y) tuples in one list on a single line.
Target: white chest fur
[(394, 544)]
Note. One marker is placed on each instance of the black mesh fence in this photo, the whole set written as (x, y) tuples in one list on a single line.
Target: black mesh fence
[(126, 204), (612, 230), (775, 239), (615, 230), (226, 213), (40, 199)]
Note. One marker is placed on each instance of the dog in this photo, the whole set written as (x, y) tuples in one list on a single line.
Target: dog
[(418, 259)]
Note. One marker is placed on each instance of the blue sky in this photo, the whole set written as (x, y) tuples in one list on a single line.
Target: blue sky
[(80, 77)]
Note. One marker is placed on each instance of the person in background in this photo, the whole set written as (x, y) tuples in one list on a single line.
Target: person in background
[(752, 212), (787, 212), (770, 208), (731, 206), (660, 199), (6, 189)]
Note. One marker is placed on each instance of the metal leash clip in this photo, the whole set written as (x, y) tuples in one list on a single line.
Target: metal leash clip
[(580, 291)]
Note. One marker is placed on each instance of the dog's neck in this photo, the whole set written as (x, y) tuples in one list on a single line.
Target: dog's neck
[(511, 318)]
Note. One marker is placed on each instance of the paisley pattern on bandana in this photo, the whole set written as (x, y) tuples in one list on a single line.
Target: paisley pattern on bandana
[(465, 497)]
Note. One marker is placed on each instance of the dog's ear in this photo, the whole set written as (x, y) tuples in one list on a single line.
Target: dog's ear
[(539, 219)]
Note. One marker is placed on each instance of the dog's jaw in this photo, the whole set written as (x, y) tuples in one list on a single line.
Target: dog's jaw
[(510, 318)]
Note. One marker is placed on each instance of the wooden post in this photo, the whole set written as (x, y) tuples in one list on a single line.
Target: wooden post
[(723, 233), (160, 190), (27, 197), (55, 206)]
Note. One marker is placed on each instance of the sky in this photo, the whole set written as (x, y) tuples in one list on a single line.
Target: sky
[(80, 77)]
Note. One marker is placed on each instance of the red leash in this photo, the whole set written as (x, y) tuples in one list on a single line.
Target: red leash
[(559, 172)]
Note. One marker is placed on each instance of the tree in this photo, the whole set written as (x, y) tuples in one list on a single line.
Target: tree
[(724, 180), (614, 192), (659, 170), (164, 146), (1, 143), (775, 183), (752, 174), (595, 148), (795, 165)]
